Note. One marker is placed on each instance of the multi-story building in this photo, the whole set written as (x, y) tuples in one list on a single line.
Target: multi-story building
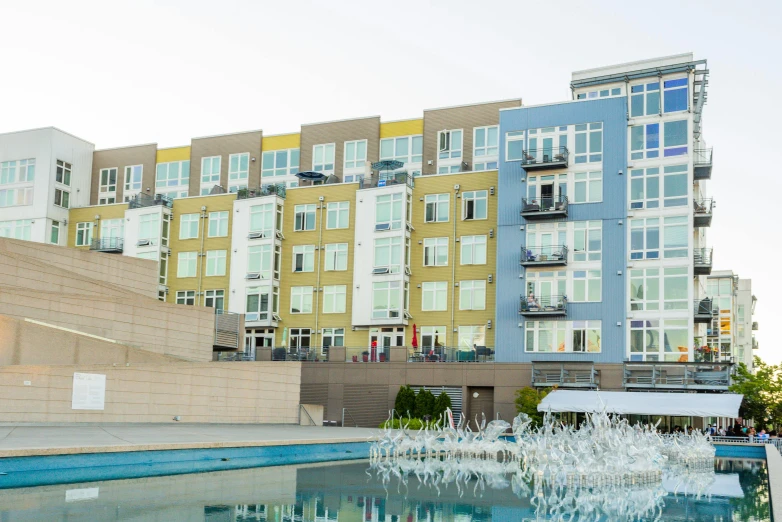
[(729, 335)]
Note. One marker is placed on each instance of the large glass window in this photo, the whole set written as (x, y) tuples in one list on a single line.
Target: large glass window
[(645, 238), (14, 197), (475, 205), (586, 336), (55, 233), (336, 256), (675, 185), (485, 148), (63, 173), (185, 297), (337, 215), (173, 179), (355, 154), (407, 149), (386, 299), (545, 336), (645, 188), (210, 170), (215, 299), (675, 138), (587, 240), (470, 337), (472, 295), (436, 251), (589, 143), (587, 286), (645, 99), (238, 168), (514, 146), (62, 198), (645, 141), (675, 283), (450, 144), (434, 296), (280, 162), (300, 339), (334, 299), (218, 224), (301, 299), (186, 264), (149, 228), (388, 212), (83, 234), (675, 95), (473, 250), (323, 158), (259, 261), (133, 175), (22, 171), (304, 258), (645, 289), (262, 219), (215, 262), (188, 226), (108, 181), (588, 187), (646, 337), (388, 254), (332, 337), (304, 217), (675, 236), (436, 207)]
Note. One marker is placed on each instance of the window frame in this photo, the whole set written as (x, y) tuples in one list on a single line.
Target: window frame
[(325, 148), (108, 187), (215, 298), (214, 267), (275, 170), (241, 173), (185, 296), (338, 208), (590, 278), (644, 92), (332, 293), (437, 291), (395, 245), (474, 243), (86, 230), (672, 90), (593, 182), (468, 288), (435, 201), (304, 293), (208, 175), (300, 223), (475, 196), (63, 171), (437, 245), (354, 163), (184, 269), (392, 290), (590, 131), (305, 252), (395, 202), (488, 154), (190, 221), (219, 218), (62, 198), (589, 254), (134, 179), (339, 255)]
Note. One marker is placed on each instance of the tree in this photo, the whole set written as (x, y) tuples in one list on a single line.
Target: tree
[(424, 403), (405, 401), (762, 391), (527, 400), (442, 403)]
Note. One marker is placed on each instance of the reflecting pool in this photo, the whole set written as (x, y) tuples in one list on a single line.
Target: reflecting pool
[(351, 492)]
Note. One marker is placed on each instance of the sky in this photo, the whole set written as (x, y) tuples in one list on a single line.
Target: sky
[(124, 73)]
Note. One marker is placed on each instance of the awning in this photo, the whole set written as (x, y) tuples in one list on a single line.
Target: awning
[(628, 403), (310, 175)]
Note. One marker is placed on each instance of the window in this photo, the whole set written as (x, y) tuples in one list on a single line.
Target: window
[(112, 228), (645, 339), (473, 250), (645, 99), (645, 188), (546, 239), (300, 339), (55, 237), (470, 337), (431, 337), (436, 251), (485, 147), (546, 288), (587, 286), (150, 256), (304, 217), (475, 205), (388, 212), (602, 93), (449, 158), (133, 175), (675, 95), (262, 219), (301, 299), (407, 149), (514, 146), (589, 143), (259, 261), (21, 171), (108, 181), (645, 238), (185, 297), (63, 173), (323, 158), (215, 263), (645, 141), (332, 337), (238, 168), (62, 198), (472, 295), (210, 170), (434, 296), (388, 254), (186, 264), (21, 229), (587, 240), (675, 236), (386, 299), (337, 215), (257, 303), (547, 190), (280, 162), (336, 256), (83, 234), (304, 258), (545, 336), (14, 197), (674, 138), (588, 187), (215, 299), (675, 186), (436, 210), (218, 224), (645, 289), (188, 226), (586, 336), (675, 284), (355, 154), (334, 299), (173, 179), (149, 228)]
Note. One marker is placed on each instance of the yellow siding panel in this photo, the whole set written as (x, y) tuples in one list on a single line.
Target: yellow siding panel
[(173, 154), (283, 141), (402, 128), (87, 214)]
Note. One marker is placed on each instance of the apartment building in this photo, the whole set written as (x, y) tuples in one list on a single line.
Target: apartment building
[(729, 333)]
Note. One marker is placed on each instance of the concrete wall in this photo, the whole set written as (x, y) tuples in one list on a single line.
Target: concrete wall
[(150, 392)]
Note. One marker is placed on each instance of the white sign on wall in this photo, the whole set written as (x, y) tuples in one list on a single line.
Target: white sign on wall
[(89, 391)]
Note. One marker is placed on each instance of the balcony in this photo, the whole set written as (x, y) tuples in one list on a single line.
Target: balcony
[(565, 374), (755, 345), (368, 354), (109, 245), (702, 164), (702, 212), (550, 305), (386, 179), (554, 255), (544, 208), (304, 353), (277, 189), (703, 310), (450, 354), (677, 376), (754, 326), (145, 200), (545, 158), (702, 261)]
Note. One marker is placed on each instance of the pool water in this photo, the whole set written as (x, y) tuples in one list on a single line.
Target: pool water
[(347, 492)]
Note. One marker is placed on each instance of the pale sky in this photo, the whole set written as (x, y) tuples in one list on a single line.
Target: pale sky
[(163, 72)]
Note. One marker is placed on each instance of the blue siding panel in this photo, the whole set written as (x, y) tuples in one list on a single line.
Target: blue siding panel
[(509, 342)]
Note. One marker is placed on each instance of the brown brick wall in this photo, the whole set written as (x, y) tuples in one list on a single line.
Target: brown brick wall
[(145, 155), (338, 132), (224, 146)]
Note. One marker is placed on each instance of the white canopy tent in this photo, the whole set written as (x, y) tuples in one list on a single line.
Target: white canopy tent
[(641, 403)]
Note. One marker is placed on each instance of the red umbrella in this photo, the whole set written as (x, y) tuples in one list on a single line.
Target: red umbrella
[(415, 338)]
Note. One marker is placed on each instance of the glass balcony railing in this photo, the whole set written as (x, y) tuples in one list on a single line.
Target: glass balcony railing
[(544, 207), (272, 189), (703, 310), (702, 260), (702, 159), (552, 255), (145, 200), (702, 212), (545, 158), (565, 374), (386, 179), (531, 305), (108, 244)]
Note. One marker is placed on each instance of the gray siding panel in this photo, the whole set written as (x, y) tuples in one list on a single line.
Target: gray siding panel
[(145, 155), (224, 146), (338, 132)]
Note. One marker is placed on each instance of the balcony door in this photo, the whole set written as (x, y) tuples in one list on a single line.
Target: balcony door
[(383, 339)]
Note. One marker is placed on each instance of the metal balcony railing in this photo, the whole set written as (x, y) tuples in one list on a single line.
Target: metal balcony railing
[(541, 208), (367, 354), (531, 305), (108, 244), (702, 211), (450, 354), (702, 260), (545, 158), (565, 374), (145, 200), (272, 189), (703, 310), (552, 255), (677, 376), (301, 353), (702, 161), (386, 179)]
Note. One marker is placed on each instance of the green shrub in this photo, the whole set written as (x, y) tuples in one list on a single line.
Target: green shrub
[(424, 403), (405, 401), (527, 400), (442, 403)]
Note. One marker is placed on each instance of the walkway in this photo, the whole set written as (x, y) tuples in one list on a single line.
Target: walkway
[(20, 440)]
